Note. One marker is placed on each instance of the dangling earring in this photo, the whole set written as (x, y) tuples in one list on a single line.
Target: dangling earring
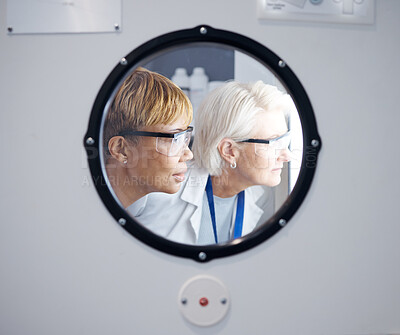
[(125, 161), (233, 165)]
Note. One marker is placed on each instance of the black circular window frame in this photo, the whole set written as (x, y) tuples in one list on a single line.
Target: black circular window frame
[(311, 141)]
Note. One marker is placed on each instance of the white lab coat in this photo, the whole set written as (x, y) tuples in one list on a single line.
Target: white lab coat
[(178, 216)]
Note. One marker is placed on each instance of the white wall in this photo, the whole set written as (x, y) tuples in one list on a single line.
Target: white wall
[(67, 268)]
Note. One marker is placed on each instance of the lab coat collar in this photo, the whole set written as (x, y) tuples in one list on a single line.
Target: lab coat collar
[(252, 212), (193, 194), (195, 186)]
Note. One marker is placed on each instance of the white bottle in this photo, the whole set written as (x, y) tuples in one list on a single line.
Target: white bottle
[(181, 79), (198, 87)]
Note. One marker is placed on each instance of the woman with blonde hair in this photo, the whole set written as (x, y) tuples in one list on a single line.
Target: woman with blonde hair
[(240, 146), (146, 137)]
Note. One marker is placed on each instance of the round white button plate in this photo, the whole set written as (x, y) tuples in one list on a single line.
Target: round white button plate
[(204, 300)]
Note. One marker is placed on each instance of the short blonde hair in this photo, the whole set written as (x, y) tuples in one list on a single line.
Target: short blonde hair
[(145, 98), (230, 111)]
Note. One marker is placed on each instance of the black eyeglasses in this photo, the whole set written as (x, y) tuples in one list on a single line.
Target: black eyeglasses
[(166, 143)]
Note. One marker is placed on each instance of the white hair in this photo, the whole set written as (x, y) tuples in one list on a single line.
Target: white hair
[(230, 111)]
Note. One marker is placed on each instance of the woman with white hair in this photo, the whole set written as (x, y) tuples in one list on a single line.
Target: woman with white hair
[(240, 146)]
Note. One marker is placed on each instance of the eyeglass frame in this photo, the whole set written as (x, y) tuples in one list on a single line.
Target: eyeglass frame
[(155, 134), (253, 140)]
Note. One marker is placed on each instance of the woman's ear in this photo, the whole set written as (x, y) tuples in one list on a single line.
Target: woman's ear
[(117, 147), (228, 151)]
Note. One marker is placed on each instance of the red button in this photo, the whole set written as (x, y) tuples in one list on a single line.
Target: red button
[(203, 302)]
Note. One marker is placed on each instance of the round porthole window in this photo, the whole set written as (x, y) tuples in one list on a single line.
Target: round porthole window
[(202, 143)]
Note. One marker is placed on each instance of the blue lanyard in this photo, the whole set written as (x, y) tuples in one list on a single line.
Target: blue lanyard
[(237, 232)]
